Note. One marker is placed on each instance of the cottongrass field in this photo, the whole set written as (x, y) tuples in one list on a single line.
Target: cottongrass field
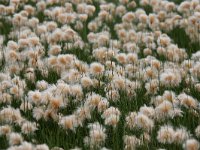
[(99, 74)]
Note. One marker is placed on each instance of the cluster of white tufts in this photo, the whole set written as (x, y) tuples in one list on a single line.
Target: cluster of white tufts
[(99, 74)]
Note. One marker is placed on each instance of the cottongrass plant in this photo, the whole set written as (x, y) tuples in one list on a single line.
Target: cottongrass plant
[(119, 74)]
